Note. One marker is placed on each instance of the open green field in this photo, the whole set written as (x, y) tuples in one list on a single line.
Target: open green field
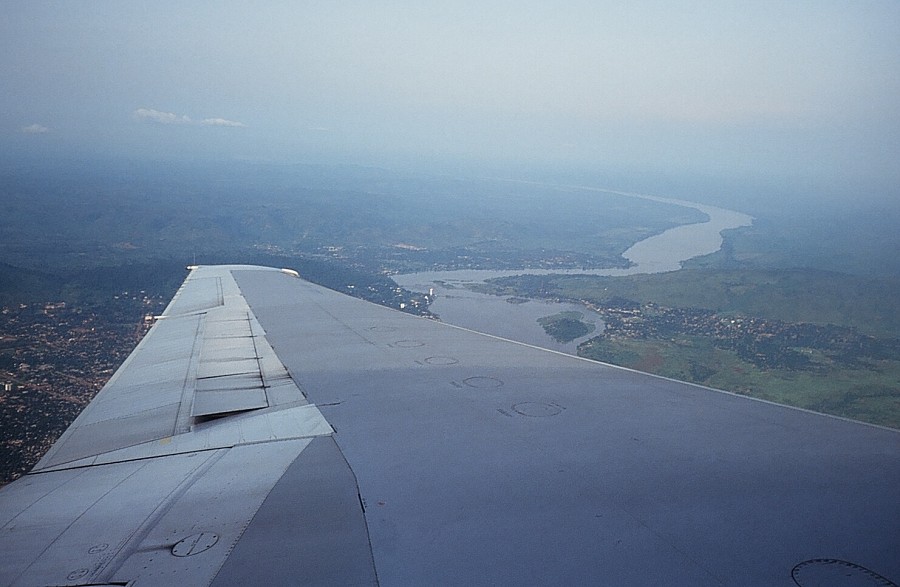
[(870, 305), (870, 394), (830, 378)]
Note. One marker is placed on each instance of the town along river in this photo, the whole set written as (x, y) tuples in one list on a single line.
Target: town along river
[(516, 319)]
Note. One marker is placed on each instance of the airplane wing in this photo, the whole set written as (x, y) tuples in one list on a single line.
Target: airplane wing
[(271, 431)]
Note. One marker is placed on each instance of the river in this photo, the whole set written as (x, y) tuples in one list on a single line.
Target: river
[(660, 253)]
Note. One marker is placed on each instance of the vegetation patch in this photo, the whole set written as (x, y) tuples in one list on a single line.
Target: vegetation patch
[(566, 326), (870, 395), (801, 338), (793, 295)]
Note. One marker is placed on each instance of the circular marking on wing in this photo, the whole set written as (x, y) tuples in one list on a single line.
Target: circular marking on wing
[(97, 548), (77, 574), (537, 409), (832, 571), (383, 328), (483, 382), (437, 360), (195, 544), (408, 344)]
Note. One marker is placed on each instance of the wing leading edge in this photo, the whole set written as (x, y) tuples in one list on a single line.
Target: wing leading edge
[(268, 430)]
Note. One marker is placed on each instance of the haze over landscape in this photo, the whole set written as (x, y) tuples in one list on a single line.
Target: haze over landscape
[(359, 140), (803, 91)]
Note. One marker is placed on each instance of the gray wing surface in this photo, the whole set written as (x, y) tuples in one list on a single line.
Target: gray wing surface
[(270, 431)]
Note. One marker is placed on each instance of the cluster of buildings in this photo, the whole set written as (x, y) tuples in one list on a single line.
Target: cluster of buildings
[(53, 358), (764, 342)]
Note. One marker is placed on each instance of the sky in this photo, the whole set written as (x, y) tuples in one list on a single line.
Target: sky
[(796, 89)]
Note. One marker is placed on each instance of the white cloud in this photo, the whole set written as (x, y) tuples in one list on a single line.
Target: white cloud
[(220, 122), (35, 129), (172, 118), (161, 117)]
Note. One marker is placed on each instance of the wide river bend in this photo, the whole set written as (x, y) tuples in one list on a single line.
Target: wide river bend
[(660, 253)]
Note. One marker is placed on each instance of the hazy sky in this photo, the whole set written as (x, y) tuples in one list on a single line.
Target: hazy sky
[(781, 87)]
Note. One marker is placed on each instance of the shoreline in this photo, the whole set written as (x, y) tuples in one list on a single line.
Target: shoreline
[(659, 253)]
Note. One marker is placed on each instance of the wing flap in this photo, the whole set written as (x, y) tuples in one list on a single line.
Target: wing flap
[(227, 401), (206, 357), (109, 435), (209, 369), (286, 424)]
